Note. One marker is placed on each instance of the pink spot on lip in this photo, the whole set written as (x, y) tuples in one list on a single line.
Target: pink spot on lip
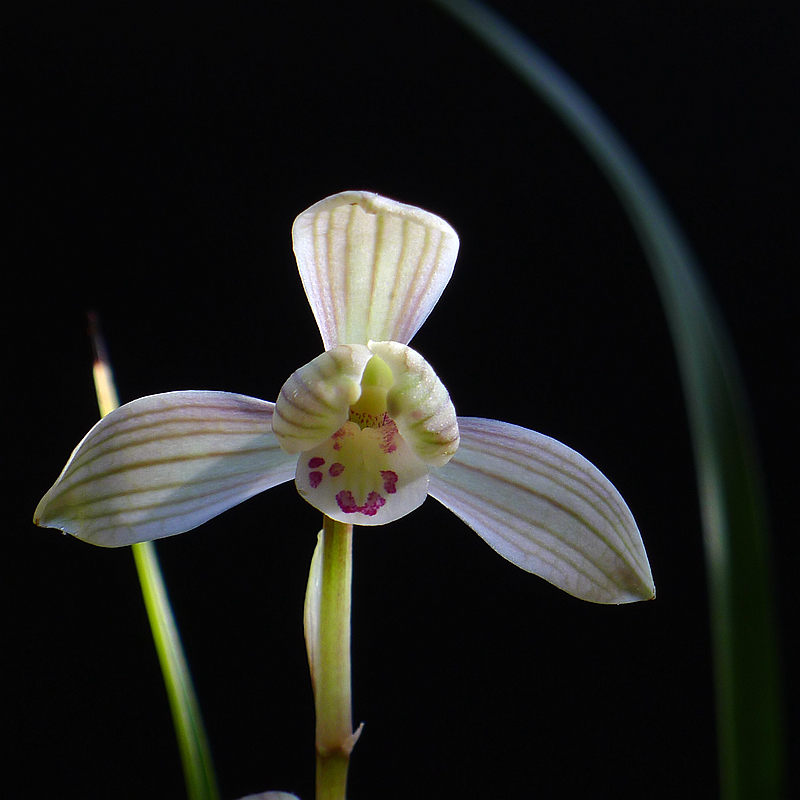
[(348, 503), (389, 481), (315, 462), (315, 479), (336, 469), (374, 502)]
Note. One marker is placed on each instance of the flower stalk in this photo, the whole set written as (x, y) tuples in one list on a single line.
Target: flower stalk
[(327, 628)]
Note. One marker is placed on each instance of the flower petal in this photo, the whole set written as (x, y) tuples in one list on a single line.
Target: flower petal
[(165, 464), (546, 509), (372, 268)]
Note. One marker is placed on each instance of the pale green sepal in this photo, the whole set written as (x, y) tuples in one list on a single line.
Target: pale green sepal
[(165, 464), (315, 402), (419, 403), (372, 268), (546, 509)]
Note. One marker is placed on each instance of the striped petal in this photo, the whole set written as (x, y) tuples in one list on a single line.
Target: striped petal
[(372, 268), (165, 464), (546, 509)]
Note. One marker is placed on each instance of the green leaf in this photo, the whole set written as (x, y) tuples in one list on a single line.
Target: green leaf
[(729, 479), (198, 768)]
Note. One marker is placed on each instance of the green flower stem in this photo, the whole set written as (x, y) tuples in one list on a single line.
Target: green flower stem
[(198, 769), (327, 621)]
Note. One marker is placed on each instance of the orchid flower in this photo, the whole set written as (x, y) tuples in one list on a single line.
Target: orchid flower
[(366, 430)]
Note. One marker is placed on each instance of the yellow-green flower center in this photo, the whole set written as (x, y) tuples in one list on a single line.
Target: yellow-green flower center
[(369, 411), (367, 421)]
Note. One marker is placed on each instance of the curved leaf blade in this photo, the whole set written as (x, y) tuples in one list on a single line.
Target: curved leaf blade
[(735, 531)]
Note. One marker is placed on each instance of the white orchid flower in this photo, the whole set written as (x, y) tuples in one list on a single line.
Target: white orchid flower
[(367, 430)]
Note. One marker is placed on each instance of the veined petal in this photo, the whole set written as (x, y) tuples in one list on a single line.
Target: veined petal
[(546, 509), (372, 268), (165, 464)]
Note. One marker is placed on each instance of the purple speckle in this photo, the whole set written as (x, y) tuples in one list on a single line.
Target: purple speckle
[(374, 502), (389, 481), (314, 478), (348, 503), (315, 462), (388, 432), (336, 469)]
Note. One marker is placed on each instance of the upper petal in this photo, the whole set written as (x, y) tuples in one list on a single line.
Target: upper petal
[(372, 268), (165, 464), (546, 509)]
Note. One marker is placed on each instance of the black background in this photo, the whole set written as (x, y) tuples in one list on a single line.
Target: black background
[(159, 157)]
